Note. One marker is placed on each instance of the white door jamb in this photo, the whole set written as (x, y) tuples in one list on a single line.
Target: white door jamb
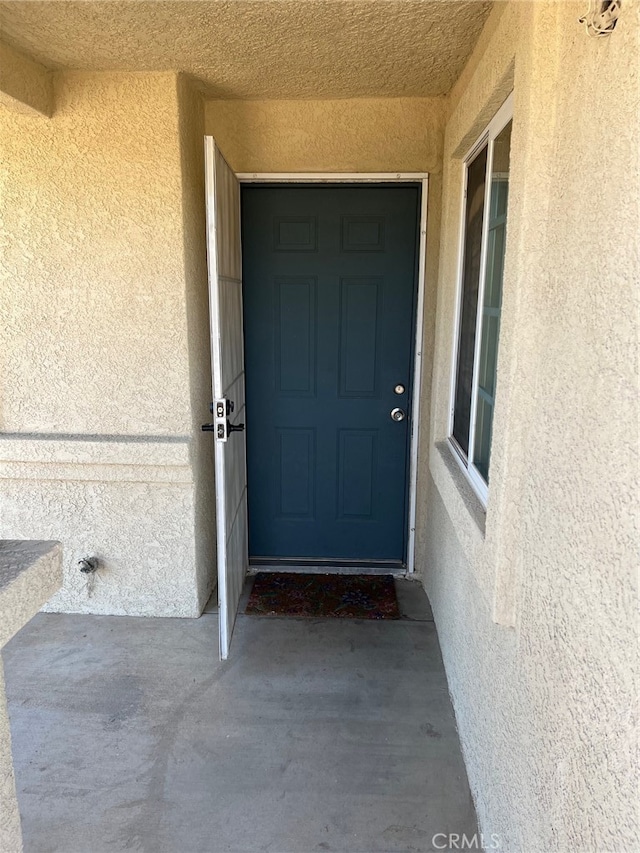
[(421, 178)]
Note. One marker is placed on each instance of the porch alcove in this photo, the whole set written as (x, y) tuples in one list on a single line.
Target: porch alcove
[(534, 596), (30, 573)]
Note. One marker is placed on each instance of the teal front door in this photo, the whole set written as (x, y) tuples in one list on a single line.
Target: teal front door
[(329, 278)]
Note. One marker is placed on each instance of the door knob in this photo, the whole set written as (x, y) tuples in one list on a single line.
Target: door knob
[(219, 428), (397, 415)]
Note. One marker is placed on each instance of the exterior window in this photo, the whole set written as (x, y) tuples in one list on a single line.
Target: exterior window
[(483, 247)]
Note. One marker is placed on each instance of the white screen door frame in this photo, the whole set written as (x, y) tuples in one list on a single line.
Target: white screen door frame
[(227, 368)]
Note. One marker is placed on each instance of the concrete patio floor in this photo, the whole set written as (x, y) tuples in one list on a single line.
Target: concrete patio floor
[(316, 735)]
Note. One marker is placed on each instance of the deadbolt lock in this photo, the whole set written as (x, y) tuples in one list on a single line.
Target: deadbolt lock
[(399, 389), (222, 408)]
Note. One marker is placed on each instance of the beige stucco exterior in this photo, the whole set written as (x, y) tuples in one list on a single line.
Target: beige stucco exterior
[(105, 341), (104, 353), (348, 135), (30, 573), (25, 84), (536, 616)]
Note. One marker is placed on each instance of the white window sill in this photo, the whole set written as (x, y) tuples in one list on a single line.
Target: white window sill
[(467, 515), (463, 487)]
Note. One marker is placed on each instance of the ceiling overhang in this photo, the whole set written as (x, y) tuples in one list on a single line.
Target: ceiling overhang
[(259, 49)]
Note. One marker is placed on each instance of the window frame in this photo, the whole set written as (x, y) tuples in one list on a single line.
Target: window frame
[(497, 124)]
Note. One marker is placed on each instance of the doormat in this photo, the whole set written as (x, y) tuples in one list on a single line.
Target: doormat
[(335, 596)]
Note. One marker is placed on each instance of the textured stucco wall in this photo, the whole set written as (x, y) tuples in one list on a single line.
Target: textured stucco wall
[(191, 127), (101, 341), (362, 135), (10, 830), (93, 259), (535, 605), (25, 85), (30, 572)]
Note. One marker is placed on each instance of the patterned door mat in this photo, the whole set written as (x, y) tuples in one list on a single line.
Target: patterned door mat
[(338, 596)]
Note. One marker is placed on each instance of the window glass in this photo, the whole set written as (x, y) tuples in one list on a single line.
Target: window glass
[(474, 213), (480, 300), (491, 301)]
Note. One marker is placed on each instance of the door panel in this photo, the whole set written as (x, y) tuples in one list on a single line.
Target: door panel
[(297, 467), (295, 303), (358, 361), (228, 379), (357, 466), (329, 292)]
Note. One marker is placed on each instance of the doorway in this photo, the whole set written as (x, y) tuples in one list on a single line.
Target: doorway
[(330, 294)]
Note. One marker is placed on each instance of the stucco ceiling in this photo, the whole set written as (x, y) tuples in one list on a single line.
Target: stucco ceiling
[(261, 48)]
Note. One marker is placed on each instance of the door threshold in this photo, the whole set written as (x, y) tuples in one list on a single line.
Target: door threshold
[(320, 567)]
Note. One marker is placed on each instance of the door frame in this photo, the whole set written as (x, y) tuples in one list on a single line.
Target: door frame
[(421, 178)]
